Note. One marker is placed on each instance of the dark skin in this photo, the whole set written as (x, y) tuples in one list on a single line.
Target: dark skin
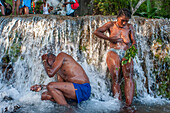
[(15, 3), (68, 72), (2, 9), (64, 5), (44, 4), (121, 35)]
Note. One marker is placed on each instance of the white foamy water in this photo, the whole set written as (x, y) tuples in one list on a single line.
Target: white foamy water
[(35, 36)]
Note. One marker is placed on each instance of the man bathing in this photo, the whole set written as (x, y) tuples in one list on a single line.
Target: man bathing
[(72, 81)]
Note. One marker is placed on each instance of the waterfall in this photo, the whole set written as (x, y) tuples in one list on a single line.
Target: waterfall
[(23, 40)]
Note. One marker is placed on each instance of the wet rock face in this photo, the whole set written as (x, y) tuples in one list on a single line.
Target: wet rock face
[(12, 108), (6, 67), (7, 98), (35, 35)]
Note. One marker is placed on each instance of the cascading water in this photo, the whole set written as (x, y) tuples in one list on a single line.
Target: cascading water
[(23, 40)]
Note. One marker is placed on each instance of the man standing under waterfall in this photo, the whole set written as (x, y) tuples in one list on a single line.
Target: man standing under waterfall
[(121, 38), (72, 81)]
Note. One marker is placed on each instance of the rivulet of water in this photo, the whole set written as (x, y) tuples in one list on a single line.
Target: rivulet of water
[(25, 39)]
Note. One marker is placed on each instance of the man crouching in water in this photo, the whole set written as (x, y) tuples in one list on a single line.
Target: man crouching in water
[(72, 81)]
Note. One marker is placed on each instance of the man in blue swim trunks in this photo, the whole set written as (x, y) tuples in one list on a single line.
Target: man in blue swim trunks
[(72, 81)]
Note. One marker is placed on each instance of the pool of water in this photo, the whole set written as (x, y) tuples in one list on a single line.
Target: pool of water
[(96, 106)]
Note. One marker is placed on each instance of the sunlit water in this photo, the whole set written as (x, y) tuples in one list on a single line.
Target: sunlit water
[(35, 36)]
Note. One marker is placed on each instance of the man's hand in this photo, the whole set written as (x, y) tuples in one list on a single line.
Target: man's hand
[(36, 88), (44, 57)]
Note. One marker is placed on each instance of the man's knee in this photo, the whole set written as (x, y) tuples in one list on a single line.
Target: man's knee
[(50, 86), (45, 96)]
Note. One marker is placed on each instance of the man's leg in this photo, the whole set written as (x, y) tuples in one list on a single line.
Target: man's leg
[(17, 6), (129, 83), (2, 9), (13, 8), (113, 63), (20, 11), (46, 96), (60, 90), (26, 10)]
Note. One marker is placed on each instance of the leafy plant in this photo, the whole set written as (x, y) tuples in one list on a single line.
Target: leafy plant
[(83, 48), (130, 53), (37, 7), (109, 7), (15, 51), (163, 78), (150, 12), (164, 8)]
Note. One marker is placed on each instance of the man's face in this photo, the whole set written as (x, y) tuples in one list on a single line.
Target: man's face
[(51, 60), (122, 21)]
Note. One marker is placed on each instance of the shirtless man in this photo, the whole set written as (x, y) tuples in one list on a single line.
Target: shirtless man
[(121, 38), (72, 81)]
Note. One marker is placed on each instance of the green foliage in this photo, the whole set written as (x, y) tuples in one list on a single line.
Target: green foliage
[(163, 78), (161, 68), (109, 7), (130, 53), (82, 48), (150, 12), (149, 9), (159, 41), (14, 50), (164, 8), (9, 1), (37, 7)]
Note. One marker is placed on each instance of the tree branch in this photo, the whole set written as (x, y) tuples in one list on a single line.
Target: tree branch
[(137, 6)]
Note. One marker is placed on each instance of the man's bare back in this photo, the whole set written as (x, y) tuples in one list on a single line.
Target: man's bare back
[(71, 71)]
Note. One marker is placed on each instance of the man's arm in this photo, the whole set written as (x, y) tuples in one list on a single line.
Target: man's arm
[(132, 36), (52, 70), (59, 79)]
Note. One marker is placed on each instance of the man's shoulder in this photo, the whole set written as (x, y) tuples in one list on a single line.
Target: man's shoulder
[(62, 53)]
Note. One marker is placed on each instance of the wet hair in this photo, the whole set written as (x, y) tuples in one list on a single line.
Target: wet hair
[(52, 55), (124, 12)]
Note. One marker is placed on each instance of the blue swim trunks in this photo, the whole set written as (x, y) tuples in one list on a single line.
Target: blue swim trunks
[(83, 91)]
